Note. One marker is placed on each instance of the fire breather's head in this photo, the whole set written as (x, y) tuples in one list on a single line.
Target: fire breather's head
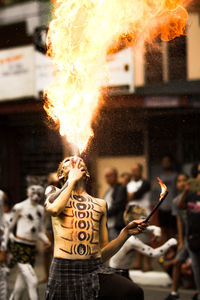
[(66, 165)]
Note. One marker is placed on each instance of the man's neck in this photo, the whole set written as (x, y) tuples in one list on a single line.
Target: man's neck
[(79, 188), (114, 184), (34, 203), (136, 179)]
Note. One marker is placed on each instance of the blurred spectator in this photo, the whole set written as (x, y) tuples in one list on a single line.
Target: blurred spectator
[(190, 202), (125, 178), (123, 259), (27, 216), (166, 221), (116, 198), (182, 254), (139, 198), (138, 188), (3, 268), (52, 180)]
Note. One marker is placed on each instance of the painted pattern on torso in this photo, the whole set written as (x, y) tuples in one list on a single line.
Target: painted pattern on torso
[(79, 226)]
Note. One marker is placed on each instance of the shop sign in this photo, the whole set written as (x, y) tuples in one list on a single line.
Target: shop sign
[(163, 101), (17, 73), (120, 77)]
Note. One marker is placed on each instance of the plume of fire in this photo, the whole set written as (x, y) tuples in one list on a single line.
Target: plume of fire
[(80, 35)]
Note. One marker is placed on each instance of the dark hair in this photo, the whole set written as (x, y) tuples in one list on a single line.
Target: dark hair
[(194, 169), (168, 155), (182, 173), (115, 171)]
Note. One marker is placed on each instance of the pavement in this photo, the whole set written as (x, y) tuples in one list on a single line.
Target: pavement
[(150, 292)]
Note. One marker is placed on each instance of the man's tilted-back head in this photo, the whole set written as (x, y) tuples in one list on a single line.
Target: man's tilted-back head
[(65, 166)]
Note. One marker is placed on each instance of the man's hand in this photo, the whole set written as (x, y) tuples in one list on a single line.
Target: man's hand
[(76, 172), (2, 256), (136, 227)]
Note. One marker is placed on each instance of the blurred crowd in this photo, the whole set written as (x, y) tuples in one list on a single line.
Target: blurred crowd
[(129, 194), (172, 236)]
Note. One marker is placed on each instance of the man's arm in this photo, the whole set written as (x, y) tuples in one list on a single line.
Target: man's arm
[(57, 199), (12, 222), (180, 232), (145, 187), (109, 249)]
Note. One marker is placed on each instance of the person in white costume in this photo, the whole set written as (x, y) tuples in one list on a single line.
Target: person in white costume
[(3, 268), (27, 216), (123, 259)]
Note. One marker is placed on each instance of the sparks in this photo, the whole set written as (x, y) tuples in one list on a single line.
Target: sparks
[(80, 36)]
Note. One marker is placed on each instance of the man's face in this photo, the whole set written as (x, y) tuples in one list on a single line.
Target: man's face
[(181, 183), (69, 163), (136, 172), (166, 163), (110, 177), (35, 193)]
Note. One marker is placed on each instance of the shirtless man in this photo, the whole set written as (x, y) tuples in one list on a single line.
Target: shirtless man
[(27, 216), (81, 241)]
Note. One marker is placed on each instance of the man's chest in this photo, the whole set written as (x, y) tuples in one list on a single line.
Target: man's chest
[(80, 220), (78, 226)]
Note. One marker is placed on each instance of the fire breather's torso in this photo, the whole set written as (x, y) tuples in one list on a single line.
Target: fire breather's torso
[(76, 229)]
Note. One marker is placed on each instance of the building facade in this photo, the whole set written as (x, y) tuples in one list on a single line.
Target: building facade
[(161, 116)]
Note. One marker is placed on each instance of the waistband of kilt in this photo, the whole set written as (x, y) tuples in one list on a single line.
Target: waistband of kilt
[(65, 266), (68, 262)]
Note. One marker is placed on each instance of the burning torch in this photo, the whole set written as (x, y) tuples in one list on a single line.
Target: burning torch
[(162, 197)]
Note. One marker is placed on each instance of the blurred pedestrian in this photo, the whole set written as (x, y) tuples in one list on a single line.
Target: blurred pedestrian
[(27, 216), (123, 259), (166, 220), (139, 199), (48, 251), (116, 198), (182, 254), (3, 268), (190, 202)]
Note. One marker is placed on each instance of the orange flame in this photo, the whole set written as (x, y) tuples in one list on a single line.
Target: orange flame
[(163, 188), (79, 38)]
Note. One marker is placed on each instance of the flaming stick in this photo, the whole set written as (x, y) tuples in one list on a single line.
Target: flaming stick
[(163, 195)]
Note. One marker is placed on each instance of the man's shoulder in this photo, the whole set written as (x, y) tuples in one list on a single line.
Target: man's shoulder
[(20, 205), (99, 201)]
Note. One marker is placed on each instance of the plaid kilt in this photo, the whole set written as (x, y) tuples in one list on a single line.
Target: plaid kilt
[(75, 279)]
